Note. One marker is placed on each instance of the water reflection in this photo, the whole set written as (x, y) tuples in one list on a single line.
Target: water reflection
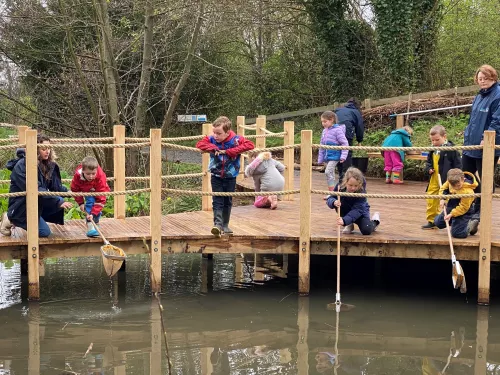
[(225, 324)]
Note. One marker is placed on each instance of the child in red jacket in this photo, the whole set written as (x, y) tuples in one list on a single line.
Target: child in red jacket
[(89, 177), (224, 147)]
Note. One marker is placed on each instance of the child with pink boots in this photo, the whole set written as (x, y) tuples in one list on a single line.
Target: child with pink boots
[(266, 173), (393, 160)]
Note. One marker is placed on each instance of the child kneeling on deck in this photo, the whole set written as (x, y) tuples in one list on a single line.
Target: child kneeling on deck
[(224, 147), (89, 178), (459, 210), (266, 173), (354, 210)]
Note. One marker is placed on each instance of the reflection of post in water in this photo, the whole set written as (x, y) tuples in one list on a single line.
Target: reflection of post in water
[(34, 339), (155, 356), (207, 274), (302, 345), (481, 340), (206, 365), (259, 271)]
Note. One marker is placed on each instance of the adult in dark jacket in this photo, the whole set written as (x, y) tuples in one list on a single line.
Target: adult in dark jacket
[(350, 116), (484, 115), (50, 209)]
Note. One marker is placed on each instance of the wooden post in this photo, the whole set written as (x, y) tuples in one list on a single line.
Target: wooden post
[(483, 293), (400, 121), (156, 337), (302, 344), (305, 210), (155, 208), (481, 340), (206, 201), (368, 103), (240, 120), (288, 158), (119, 171), (34, 339), (21, 134), (407, 120), (32, 214), (260, 125)]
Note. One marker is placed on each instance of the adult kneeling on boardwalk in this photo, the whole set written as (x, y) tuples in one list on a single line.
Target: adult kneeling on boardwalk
[(50, 208)]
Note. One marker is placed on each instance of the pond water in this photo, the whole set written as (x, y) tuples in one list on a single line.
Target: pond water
[(229, 316)]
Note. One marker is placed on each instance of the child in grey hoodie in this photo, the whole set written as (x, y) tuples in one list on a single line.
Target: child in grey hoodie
[(266, 173)]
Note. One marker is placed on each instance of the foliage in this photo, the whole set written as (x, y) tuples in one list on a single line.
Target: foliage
[(406, 36)]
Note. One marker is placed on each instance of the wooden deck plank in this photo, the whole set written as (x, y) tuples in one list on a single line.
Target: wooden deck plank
[(400, 223)]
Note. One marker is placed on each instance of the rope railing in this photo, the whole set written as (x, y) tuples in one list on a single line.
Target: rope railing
[(248, 127), (225, 194), (62, 140), (104, 146), (12, 195), (92, 194), (9, 140), (380, 148), (179, 147), (12, 147), (396, 196), (267, 135), (276, 148), (178, 139)]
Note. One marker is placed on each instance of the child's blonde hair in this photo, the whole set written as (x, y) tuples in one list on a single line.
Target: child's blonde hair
[(455, 176), (89, 163), (438, 129), (224, 122), (355, 173), (408, 129), (330, 116)]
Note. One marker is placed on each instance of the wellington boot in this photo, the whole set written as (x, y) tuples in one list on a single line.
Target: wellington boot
[(218, 223), (226, 215)]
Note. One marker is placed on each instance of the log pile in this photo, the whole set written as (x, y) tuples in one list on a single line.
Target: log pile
[(378, 117)]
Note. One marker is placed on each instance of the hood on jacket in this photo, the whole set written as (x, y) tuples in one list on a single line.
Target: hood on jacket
[(21, 154), (265, 155), (401, 131)]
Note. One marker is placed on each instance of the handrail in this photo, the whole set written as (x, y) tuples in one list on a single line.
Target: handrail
[(431, 110)]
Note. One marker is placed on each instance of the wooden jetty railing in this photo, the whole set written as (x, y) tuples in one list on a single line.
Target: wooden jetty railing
[(27, 138)]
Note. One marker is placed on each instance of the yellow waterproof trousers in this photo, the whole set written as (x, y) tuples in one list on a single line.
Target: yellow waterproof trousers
[(433, 204)]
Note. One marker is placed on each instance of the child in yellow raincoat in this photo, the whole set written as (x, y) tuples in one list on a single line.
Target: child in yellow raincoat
[(459, 211)]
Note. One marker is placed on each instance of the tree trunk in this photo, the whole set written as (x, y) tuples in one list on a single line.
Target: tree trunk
[(167, 121)]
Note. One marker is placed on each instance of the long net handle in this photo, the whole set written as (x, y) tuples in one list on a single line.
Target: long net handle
[(447, 224), (337, 297), (106, 242)]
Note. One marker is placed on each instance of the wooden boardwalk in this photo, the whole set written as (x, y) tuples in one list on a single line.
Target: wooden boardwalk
[(266, 231)]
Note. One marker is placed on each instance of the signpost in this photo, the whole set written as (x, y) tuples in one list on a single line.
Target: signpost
[(192, 118)]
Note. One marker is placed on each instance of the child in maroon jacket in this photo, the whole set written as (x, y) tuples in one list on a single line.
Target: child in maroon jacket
[(224, 147), (89, 177)]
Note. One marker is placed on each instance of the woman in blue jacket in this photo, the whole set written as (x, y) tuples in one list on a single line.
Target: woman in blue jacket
[(50, 208), (485, 115)]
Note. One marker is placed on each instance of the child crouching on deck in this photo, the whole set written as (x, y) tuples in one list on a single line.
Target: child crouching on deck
[(459, 211), (267, 176), (224, 147), (89, 178), (354, 210)]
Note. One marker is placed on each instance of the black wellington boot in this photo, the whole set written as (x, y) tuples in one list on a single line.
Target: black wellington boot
[(217, 228), (226, 215)]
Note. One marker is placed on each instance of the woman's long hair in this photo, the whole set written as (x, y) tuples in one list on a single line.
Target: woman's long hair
[(46, 165)]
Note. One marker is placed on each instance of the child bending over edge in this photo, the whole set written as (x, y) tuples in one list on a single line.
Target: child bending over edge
[(89, 178), (266, 173), (459, 211), (224, 147), (354, 210), (393, 160)]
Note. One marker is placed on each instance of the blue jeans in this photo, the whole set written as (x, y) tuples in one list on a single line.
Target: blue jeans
[(458, 225), (47, 211), (227, 185), (89, 204)]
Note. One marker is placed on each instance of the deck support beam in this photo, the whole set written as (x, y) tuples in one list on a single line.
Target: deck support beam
[(288, 157), (155, 209), (32, 214), (305, 211), (483, 293)]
